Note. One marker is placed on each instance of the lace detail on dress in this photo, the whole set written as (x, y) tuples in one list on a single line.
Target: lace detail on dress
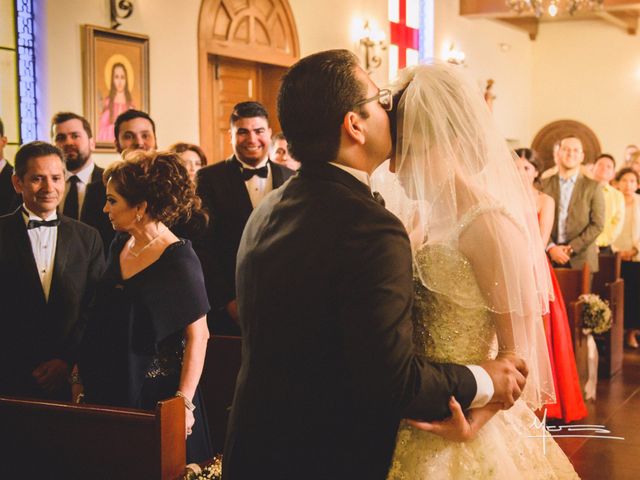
[(167, 362), (443, 330), (463, 332)]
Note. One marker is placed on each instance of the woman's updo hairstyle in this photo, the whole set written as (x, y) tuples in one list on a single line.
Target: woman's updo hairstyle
[(158, 178)]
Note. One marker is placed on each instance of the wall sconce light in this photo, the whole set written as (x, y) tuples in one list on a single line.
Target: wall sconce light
[(454, 56), (373, 41)]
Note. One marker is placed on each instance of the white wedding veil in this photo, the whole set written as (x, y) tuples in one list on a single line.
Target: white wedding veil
[(457, 184)]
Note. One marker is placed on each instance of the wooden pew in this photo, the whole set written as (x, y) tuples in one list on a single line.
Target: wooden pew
[(218, 383), (61, 440), (610, 286)]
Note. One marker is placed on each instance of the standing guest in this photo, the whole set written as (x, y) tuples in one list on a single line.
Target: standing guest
[(192, 156), (280, 152), (118, 101), (569, 405), (147, 335), (135, 130), (628, 152), (628, 244), (8, 197), (230, 190), (579, 215), (604, 172), (84, 193), (50, 265)]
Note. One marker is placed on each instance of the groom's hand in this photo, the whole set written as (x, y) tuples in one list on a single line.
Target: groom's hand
[(508, 374)]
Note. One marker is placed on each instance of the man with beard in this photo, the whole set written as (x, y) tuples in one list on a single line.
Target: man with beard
[(84, 193)]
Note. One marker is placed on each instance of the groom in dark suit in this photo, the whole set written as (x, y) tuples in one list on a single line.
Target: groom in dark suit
[(328, 364), (230, 190), (49, 266), (85, 193)]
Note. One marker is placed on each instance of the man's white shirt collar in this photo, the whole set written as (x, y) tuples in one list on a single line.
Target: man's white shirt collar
[(359, 174), (32, 216), (84, 174)]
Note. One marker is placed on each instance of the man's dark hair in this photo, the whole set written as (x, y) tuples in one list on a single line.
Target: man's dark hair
[(130, 115), (33, 150), (315, 95), (606, 155), (248, 110), (62, 117), (1, 128)]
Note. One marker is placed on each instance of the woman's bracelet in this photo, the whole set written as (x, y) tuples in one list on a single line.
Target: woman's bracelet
[(188, 404)]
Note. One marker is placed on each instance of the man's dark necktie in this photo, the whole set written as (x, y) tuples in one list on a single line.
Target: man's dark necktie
[(248, 173), (71, 204), (378, 198)]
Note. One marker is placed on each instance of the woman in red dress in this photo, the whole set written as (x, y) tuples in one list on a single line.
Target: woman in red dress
[(569, 404)]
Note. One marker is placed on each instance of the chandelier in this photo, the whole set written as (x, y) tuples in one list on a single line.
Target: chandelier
[(552, 7)]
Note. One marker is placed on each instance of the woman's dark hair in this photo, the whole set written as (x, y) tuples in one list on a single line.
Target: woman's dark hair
[(112, 90), (530, 156), (182, 147), (158, 178), (315, 95), (623, 171)]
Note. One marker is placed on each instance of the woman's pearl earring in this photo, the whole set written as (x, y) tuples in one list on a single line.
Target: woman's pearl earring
[(138, 217)]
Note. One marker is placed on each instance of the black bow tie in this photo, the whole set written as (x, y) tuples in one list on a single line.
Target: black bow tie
[(378, 198), (248, 173), (42, 223)]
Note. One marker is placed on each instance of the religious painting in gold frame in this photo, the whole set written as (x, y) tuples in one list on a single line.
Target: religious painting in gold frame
[(115, 68)]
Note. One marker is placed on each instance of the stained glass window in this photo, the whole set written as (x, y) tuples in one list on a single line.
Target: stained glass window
[(411, 32)]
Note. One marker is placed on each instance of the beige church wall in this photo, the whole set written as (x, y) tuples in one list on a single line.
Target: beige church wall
[(328, 24), (497, 51), (590, 72), (172, 28)]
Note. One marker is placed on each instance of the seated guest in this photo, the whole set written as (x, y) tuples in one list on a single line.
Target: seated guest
[(604, 172), (192, 156), (135, 130), (49, 267), (8, 198), (84, 194), (280, 152), (628, 244), (146, 337)]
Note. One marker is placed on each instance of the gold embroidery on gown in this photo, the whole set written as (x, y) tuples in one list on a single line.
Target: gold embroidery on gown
[(446, 331)]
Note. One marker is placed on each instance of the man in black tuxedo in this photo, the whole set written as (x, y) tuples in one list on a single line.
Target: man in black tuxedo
[(49, 266), (328, 364), (84, 195), (8, 197), (230, 190)]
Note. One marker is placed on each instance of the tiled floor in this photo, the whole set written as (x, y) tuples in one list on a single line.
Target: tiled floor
[(617, 408)]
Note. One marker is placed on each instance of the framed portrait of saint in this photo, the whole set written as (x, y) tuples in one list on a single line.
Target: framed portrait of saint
[(115, 67)]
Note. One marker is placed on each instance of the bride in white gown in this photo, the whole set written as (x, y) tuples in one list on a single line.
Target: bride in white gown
[(481, 281)]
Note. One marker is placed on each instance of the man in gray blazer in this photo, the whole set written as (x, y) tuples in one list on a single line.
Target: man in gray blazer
[(579, 210)]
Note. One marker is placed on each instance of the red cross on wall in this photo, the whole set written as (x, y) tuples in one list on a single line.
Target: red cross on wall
[(403, 36)]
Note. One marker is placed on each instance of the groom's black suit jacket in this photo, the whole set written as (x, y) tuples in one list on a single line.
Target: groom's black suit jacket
[(328, 364), (34, 330)]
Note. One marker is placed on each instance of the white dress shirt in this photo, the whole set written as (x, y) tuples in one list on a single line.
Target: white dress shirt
[(43, 244), (3, 162), (485, 390), (566, 191), (258, 187), (84, 177)]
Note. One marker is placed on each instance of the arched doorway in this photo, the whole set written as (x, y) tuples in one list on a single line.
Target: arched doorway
[(244, 48), (554, 131)]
